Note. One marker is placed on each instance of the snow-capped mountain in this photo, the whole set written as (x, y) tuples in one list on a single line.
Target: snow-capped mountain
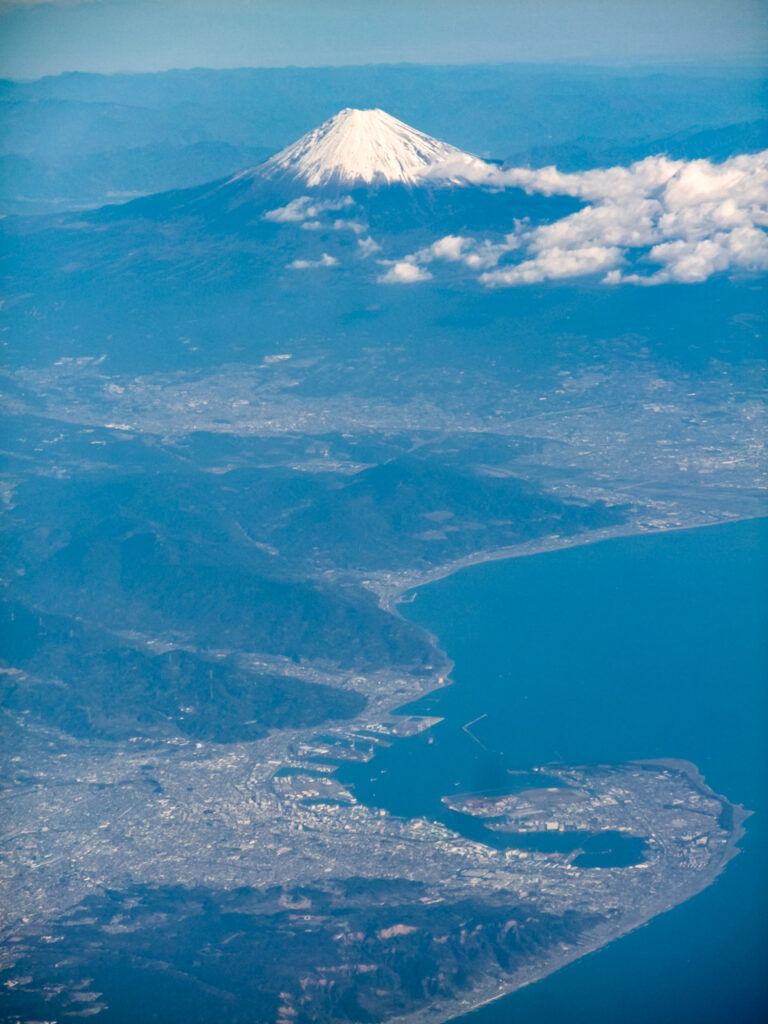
[(361, 183), (367, 147)]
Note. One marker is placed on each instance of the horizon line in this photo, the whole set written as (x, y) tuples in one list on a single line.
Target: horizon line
[(748, 64)]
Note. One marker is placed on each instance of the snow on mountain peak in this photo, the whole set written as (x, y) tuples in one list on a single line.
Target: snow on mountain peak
[(368, 147)]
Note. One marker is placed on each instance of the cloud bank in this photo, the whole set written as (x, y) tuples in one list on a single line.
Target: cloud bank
[(657, 221)]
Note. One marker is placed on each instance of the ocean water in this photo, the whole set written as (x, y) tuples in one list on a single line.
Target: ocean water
[(642, 647)]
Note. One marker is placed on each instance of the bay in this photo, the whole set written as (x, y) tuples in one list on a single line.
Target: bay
[(653, 646)]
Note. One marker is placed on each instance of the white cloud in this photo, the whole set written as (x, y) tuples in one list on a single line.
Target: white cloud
[(628, 224), (556, 263), (405, 273), (306, 209), (475, 254), (449, 248), (357, 227), (367, 246), (324, 261), (306, 213), (641, 178), (690, 262), (691, 219)]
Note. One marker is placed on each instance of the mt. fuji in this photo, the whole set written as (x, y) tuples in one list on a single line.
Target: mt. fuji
[(388, 177), (367, 147), (359, 184)]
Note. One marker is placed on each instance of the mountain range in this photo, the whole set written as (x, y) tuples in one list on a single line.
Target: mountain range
[(79, 140)]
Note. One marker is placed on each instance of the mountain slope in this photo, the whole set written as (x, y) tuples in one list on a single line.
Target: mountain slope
[(365, 147)]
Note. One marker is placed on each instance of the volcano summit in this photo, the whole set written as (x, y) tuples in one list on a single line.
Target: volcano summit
[(366, 147)]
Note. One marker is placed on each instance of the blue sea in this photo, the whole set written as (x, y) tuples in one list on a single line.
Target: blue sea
[(643, 647)]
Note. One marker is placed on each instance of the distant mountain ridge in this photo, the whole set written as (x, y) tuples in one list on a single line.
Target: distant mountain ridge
[(82, 140)]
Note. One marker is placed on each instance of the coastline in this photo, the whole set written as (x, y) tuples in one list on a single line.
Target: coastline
[(391, 594), (442, 1012), (603, 934)]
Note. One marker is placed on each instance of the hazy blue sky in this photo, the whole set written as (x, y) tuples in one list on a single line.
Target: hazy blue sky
[(109, 35)]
